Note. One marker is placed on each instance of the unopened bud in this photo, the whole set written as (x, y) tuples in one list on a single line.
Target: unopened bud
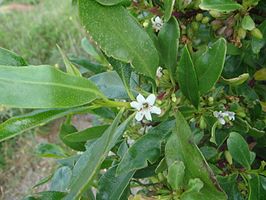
[(210, 101), (221, 30), (228, 32), (195, 26), (256, 33), (230, 22), (216, 24), (199, 17), (205, 20), (202, 123)]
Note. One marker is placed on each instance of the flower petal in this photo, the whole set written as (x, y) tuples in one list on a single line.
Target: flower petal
[(151, 99), (139, 116), (156, 110), (221, 120), (147, 115), (136, 105), (141, 99)]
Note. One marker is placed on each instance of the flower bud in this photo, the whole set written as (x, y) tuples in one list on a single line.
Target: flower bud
[(202, 123), (228, 32), (256, 33), (241, 33), (199, 17), (215, 14), (210, 101), (216, 24), (230, 22), (228, 157), (221, 30), (205, 20)]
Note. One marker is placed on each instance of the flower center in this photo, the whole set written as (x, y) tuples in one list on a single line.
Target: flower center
[(145, 105)]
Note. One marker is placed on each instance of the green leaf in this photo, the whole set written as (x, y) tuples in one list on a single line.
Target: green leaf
[(124, 71), (47, 195), (169, 6), (87, 134), (50, 151), (70, 68), (187, 78), (67, 129), (248, 23), (238, 148), (109, 2), (180, 147), (90, 161), (229, 185), (210, 64), (18, 125), (219, 5), (61, 179), (256, 192), (169, 41), (11, 59), (192, 192), (111, 187), (111, 85), (175, 176), (237, 80), (145, 149), (44, 87), (119, 35)]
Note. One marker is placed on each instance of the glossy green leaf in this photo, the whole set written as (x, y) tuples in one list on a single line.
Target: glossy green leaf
[(169, 41), (111, 187), (90, 161), (111, 85), (180, 147), (145, 149), (86, 134), (220, 5), (11, 59), (70, 67), (50, 151), (210, 64), (248, 23), (169, 6), (61, 179), (119, 35), (187, 78), (238, 148), (44, 87), (18, 125), (175, 176)]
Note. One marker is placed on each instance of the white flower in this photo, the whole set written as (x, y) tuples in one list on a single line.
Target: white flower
[(157, 23), (145, 107), (159, 72), (230, 115), (221, 116)]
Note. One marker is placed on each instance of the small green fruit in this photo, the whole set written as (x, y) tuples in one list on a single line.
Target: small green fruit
[(199, 17), (205, 20), (195, 26), (256, 33)]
